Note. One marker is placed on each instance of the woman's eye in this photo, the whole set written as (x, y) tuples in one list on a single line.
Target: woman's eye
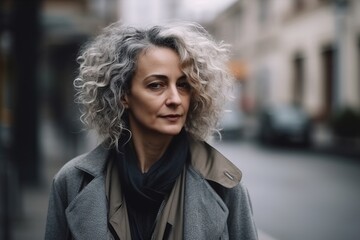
[(155, 85), (184, 85)]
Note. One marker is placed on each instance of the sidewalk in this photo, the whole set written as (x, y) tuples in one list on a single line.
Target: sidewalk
[(325, 142), (31, 226)]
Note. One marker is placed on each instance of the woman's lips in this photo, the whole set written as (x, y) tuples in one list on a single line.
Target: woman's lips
[(172, 117)]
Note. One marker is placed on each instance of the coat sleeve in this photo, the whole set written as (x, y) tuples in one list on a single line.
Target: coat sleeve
[(56, 224), (241, 223)]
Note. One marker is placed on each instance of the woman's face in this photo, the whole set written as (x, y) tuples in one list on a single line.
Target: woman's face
[(159, 98)]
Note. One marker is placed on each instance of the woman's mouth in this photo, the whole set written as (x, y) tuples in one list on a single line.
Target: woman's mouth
[(172, 117)]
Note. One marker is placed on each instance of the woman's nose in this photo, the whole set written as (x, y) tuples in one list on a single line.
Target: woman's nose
[(173, 97)]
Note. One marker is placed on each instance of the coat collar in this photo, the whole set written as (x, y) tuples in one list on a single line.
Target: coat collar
[(94, 162), (217, 168)]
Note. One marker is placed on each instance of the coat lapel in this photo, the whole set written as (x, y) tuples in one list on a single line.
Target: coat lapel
[(205, 213), (87, 213)]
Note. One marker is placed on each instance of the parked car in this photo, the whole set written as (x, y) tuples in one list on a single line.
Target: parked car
[(232, 124), (285, 124)]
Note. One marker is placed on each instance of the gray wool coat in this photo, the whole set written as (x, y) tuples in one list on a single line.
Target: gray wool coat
[(216, 204)]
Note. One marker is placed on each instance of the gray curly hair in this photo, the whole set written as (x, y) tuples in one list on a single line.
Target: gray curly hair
[(108, 63)]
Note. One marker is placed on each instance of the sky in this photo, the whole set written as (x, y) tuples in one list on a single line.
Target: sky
[(204, 9), (143, 12)]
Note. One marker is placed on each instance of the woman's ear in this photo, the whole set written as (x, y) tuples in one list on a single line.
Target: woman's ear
[(124, 100)]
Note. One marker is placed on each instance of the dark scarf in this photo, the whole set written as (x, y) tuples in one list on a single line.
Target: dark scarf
[(144, 192)]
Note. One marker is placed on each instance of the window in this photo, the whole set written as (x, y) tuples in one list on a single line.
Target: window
[(328, 58), (264, 6), (299, 75), (299, 5)]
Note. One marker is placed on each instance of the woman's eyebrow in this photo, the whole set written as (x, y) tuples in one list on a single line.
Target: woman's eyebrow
[(158, 76), (182, 77), (164, 77)]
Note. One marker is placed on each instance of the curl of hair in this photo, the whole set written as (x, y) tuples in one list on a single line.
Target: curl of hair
[(108, 63)]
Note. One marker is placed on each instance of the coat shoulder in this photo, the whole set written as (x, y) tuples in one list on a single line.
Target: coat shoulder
[(93, 163), (69, 170), (67, 181), (80, 170)]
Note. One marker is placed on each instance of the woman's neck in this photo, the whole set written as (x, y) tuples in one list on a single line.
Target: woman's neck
[(149, 149)]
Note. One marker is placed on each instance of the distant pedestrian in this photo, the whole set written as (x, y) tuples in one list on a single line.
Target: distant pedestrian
[(154, 95)]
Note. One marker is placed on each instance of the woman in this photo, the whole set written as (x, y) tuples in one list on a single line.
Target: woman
[(154, 95)]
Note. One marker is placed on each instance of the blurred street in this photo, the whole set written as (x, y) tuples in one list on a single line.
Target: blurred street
[(299, 194)]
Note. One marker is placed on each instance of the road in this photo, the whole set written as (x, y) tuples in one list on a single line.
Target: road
[(299, 194)]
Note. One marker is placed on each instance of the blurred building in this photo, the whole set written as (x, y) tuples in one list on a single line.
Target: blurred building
[(67, 25), (305, 52), (39, 42), (60, 27)]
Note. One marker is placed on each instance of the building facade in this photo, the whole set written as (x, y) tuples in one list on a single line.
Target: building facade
[(305, 52)]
